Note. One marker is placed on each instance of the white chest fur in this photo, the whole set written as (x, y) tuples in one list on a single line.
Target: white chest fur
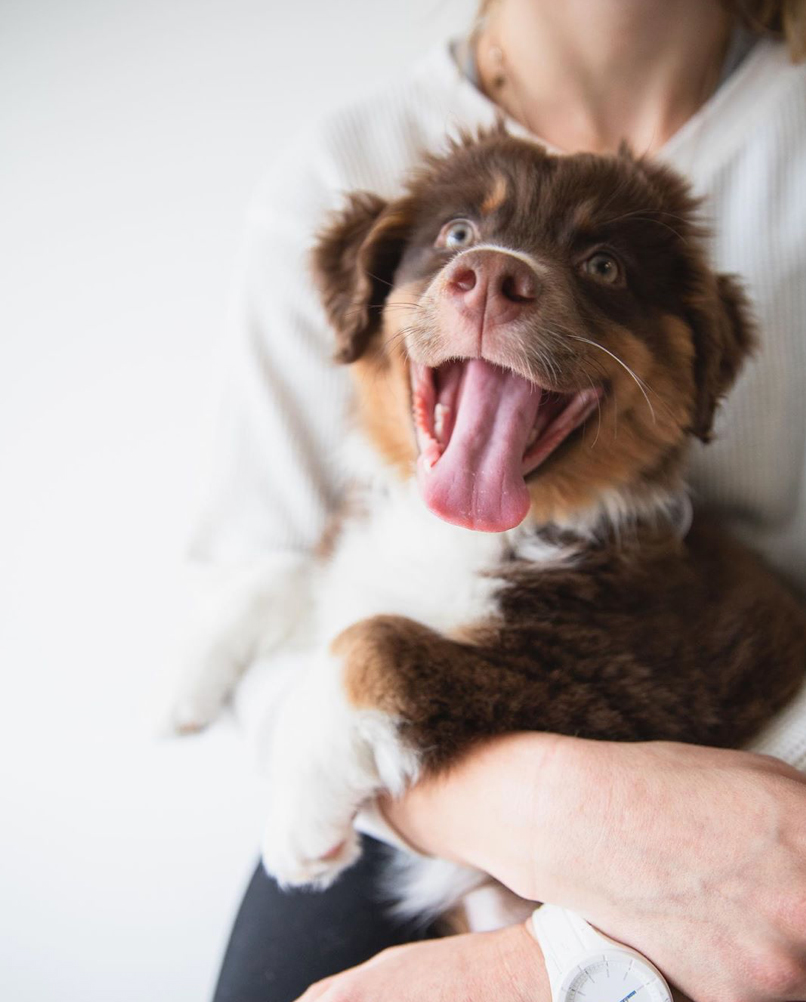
[(401, 560)]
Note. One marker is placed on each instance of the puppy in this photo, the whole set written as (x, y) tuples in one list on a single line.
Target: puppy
[(534, 340)]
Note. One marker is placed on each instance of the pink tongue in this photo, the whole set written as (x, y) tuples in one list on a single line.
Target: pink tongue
[(477, 482)]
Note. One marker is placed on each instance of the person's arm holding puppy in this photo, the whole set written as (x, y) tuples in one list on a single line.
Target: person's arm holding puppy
[(694, 856)]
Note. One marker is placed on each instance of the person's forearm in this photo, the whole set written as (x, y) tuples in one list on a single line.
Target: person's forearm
[(490, 810), (694, 856)]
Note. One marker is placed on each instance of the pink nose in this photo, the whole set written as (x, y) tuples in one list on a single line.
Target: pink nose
[(492, 285)]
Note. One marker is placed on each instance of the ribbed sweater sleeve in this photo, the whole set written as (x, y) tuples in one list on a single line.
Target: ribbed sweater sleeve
[(284, 399)]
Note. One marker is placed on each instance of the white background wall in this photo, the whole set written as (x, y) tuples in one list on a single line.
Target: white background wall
[(131, 135)]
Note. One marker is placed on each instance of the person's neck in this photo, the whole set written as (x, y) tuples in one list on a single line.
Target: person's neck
[(589, 74)]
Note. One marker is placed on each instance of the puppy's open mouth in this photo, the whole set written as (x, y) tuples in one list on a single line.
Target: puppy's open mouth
[(481, 430)]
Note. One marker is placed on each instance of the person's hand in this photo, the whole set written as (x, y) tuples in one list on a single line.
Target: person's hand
[(506, 966), (694, 856)]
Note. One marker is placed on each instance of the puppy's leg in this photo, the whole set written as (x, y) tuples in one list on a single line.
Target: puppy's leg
[(330, 754), (249, 612)]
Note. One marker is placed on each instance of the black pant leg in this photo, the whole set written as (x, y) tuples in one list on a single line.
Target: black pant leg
[(283, 941)]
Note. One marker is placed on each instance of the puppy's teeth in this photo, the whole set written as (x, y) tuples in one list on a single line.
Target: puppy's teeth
[(530, 441), (430, 454), (440, 412)]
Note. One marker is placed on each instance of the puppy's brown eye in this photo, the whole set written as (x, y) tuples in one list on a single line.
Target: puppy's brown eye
[(603, 267), (457, 234)]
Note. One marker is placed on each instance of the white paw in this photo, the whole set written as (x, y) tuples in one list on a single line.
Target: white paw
[(301, 855), (201, 692), (192, 711), (321, 772), (326, 759)]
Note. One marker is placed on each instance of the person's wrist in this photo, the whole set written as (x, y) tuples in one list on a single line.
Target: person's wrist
[(568, 788), (521, 963), (486, 811), (521, 791), (584, 789)]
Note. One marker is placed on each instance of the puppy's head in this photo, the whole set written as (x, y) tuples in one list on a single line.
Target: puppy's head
[(529, 330)]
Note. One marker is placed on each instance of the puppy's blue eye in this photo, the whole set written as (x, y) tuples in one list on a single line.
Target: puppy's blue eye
[(457, 235), (604, 268)]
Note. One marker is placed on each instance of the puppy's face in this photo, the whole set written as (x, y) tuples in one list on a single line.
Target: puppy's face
[(531, 331)]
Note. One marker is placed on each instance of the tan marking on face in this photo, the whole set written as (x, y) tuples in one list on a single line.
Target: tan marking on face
[(583, 216), (383, 385), (496, 196), (624, 441)]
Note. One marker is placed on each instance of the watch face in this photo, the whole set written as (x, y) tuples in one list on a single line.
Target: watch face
[(613, 977)]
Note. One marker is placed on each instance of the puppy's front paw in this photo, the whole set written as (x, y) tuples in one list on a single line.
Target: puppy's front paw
[(309, 855), (201, 692), (192, 710), (318, 778), (326, 759)]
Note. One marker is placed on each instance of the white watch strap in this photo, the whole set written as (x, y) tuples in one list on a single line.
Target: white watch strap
[(564, 937), (566, 940)]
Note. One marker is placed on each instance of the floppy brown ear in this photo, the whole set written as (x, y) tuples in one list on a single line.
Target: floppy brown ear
[(719, 313), (724, 336), (354, 262)]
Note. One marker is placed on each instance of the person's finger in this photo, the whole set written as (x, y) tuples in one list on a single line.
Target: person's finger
[(317, 990)]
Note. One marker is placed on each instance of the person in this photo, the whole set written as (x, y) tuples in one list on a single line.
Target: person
[(705, 869)]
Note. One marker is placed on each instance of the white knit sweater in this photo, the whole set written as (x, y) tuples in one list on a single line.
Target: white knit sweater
[(745, 151)]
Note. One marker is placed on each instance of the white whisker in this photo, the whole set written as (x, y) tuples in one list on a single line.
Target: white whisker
[(638, 382)]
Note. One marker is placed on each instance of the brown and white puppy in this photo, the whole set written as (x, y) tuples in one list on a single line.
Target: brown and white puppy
[(534, 340)]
